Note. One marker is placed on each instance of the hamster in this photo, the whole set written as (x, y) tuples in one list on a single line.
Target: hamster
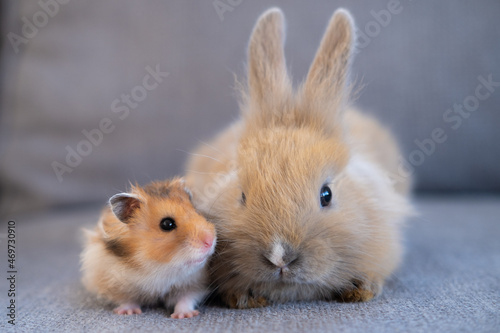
[(150, 245)]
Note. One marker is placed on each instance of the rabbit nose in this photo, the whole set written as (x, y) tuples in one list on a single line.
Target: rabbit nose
[(281, 256)]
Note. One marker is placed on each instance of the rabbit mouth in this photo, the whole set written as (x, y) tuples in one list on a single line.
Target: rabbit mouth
[(282, 274), (285, 280)]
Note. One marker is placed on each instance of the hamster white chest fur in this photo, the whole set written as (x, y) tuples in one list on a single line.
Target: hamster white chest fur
[(149, 246)]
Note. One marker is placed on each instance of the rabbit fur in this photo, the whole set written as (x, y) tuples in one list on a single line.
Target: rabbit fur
[(261, 179)]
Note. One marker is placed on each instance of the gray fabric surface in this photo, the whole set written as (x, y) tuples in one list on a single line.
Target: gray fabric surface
[(65, 79), (449, 282)]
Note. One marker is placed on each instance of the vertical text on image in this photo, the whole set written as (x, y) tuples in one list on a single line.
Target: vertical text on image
[(11, 272)]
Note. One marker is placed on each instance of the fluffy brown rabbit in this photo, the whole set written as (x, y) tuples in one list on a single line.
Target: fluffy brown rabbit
[(300, 188)]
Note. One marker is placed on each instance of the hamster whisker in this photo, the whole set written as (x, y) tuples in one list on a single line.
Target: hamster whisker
[(215, 285), (207, 173), (214, 202), (210, 146), (200, 155)]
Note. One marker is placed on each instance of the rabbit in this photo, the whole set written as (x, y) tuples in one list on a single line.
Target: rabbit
[(150, 245), (300, 188)]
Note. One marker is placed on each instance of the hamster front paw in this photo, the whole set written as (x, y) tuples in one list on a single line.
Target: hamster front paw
[(185, 307), (360, 292), (180, 314), (246, 301), (128, 309)]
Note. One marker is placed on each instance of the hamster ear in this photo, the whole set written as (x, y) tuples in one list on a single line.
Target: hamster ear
[(327, 78), (267, 75), (124, 205)]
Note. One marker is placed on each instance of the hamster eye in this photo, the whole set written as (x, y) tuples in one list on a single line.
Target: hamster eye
[(243, 198), (168, 224), (325, 196)]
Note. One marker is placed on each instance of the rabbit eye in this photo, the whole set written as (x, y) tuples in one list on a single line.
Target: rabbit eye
[(168, 224), (243, 198), (325, 196)]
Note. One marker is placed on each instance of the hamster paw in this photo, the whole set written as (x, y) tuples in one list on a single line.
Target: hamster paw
[(362, 292), (184, 314), (128, 309), (246, 301)]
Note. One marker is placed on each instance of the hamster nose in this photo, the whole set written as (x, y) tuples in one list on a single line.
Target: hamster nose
[(207, 241)]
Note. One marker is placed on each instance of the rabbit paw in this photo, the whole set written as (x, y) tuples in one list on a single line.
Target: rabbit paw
[(361, 292), (246, 301)]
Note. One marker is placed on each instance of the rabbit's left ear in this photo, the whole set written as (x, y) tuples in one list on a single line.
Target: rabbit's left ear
[(327, 78)]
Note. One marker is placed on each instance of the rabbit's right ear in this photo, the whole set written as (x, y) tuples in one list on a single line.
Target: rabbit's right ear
[(267, 75)]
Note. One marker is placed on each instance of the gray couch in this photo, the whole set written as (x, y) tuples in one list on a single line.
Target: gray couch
[(70, 138)]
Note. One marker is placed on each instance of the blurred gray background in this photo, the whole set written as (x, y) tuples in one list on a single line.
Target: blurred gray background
[(66, 67)]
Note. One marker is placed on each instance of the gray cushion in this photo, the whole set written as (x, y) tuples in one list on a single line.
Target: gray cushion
[(66, 78)]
